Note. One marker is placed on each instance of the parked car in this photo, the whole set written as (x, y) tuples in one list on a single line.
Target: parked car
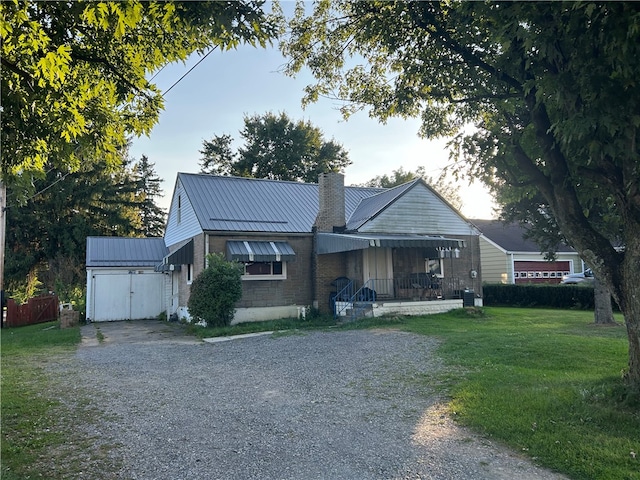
[(573, 278)]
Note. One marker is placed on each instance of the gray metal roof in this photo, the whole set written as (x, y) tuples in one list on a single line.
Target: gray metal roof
[(259, 205), (124, 252)]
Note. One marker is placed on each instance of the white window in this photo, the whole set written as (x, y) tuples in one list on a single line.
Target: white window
[(435, 266), (264, 271), (189, 274)]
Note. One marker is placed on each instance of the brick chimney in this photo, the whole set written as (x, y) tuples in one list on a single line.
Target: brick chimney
[(331, 203)]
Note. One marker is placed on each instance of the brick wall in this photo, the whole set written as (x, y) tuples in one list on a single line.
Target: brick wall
[(296, 289), (329, 267)]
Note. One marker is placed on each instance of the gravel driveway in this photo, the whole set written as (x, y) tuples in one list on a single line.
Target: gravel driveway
[(319, 405)]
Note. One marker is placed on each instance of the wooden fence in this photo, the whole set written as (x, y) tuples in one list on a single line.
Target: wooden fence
[(36, 310)]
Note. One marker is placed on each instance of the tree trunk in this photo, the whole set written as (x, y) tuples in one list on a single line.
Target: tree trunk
[(632, 320), (603, 312)]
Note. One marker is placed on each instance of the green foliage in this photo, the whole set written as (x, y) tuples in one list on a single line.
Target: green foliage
[(550, 296), (275, 147), (215, 291), (539, 98), (148, 189), (75, 74), (46, 236)]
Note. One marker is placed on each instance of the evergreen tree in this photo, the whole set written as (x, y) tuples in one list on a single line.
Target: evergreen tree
[(148, 189)]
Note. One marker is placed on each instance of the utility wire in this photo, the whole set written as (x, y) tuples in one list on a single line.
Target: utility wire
[(189, 71)]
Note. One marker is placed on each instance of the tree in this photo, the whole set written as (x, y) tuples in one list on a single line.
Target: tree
[(147, 190), (218, 156), (275, 147), (527, 207), (448, 190), (550, 88), (215, 291), (75, 74), (46, 235)]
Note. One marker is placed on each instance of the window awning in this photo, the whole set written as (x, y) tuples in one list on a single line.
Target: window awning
[(182, 256), (334, 243), (245, 251)]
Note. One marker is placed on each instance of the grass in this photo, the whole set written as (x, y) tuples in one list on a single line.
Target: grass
[(38, 436), (545, 382)]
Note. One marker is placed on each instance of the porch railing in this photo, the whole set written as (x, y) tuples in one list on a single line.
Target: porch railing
[(353, 300)]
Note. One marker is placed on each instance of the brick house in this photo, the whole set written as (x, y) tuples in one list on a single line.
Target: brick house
[(399, 250)]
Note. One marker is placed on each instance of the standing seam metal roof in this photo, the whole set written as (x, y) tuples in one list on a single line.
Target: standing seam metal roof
[(258, 205), (124, 252)]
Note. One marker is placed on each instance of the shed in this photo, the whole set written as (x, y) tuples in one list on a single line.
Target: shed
[(122, 282)]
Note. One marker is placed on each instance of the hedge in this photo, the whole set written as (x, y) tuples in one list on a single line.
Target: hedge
[(555, 296)]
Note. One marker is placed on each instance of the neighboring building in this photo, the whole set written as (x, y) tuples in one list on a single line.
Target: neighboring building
[(508, 257), (122, 283), (302, 243)]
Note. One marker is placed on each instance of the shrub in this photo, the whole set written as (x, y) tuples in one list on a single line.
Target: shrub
[(215, 292), (554, 296)]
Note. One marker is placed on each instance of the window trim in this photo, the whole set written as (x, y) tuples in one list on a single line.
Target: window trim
[(281, 276)]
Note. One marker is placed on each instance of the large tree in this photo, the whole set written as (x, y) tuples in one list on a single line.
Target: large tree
[(75, 74), (46, 235), (148, 189), (274, 147), (551, 89)]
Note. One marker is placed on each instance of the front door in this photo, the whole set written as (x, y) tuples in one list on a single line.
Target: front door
[(378, 266)]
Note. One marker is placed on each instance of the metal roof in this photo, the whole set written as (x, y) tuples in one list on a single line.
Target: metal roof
[(259, 205), (124, 252), (510, 236)]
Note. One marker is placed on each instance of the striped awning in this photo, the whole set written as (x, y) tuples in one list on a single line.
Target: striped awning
[(253, 251)]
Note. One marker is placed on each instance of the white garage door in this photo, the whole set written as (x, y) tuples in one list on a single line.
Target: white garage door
[(127, 296)]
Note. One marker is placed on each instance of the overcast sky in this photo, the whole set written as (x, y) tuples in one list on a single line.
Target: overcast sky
[(214, 97)]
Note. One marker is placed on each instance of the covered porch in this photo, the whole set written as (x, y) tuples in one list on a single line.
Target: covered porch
[(396, 269)]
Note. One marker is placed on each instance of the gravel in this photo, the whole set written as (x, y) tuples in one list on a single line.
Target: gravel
[(320, 405)]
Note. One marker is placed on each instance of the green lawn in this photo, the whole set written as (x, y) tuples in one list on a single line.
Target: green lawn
[(32, 422)]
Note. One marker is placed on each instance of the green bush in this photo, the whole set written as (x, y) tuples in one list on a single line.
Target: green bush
[(215, 292), (552, 296)]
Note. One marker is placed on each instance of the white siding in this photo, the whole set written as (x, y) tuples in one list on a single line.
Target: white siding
[(419, 211), (188, 226)]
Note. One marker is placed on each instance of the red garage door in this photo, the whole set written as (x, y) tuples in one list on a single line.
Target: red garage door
[(540, 272)]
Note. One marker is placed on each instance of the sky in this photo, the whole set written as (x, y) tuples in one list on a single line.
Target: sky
[(216, 95)]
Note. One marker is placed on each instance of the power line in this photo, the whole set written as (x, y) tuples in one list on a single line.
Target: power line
[(190, 70)]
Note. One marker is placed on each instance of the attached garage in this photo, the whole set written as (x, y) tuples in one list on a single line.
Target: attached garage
[(122, 283)]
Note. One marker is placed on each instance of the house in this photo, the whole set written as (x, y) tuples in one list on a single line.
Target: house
[(400, 250), (508, 257), (122, 282)]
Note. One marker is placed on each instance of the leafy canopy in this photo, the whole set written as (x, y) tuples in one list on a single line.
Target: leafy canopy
[(75, 73), (550, 90), (274, 147)]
